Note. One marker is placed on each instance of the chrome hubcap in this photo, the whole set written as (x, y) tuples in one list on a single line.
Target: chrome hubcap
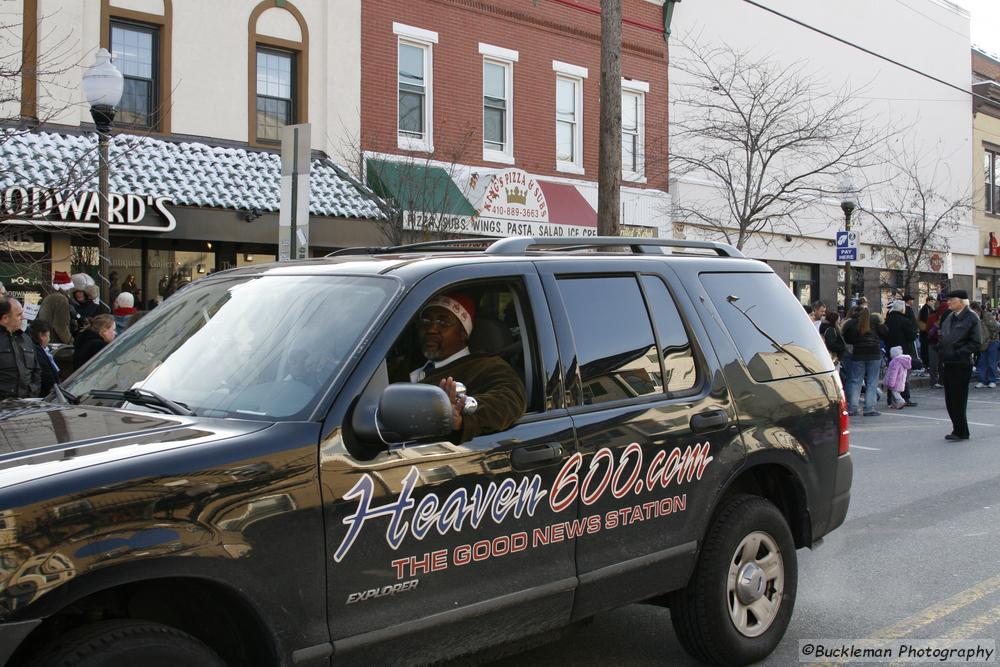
[(756, 583), (750, 583)]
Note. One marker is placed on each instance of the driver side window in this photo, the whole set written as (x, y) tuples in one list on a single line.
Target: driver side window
[(480, 320)]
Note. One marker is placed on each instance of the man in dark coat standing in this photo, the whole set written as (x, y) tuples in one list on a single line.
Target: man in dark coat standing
[(958, 341), (20, 376), (902, 332)]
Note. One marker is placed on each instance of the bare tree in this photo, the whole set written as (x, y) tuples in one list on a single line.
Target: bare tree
[(767, 136), (609, 171), (421, 197), (913, 210)]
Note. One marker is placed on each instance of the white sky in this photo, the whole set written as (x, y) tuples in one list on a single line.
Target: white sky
[(985, 23)]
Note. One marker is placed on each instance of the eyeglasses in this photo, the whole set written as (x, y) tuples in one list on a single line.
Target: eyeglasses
[(427, 323)]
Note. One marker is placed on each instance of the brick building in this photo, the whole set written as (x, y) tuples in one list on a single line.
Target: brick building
[(482, 116), (986, 161)]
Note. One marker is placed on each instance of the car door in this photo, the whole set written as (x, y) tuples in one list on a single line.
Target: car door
[(655, 426), (436, 545)]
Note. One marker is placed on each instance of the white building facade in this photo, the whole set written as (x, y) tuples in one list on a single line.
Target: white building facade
[(929, 36), (195, 169)]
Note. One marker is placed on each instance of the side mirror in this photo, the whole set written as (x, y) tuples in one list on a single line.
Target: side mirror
[(409, 412)]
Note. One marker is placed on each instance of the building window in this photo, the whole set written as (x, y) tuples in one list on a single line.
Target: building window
[(415, 91), (135, 48), (277, 71), (633, 131), (495, 106), (275, 92), (569, 117), (803, 280), (992, 172), (498, 105)]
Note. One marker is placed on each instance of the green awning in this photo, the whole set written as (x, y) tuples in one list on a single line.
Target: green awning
[(418, 187)]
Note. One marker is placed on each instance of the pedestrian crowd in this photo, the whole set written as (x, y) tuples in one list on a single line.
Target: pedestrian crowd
[(71, 318), (946, 341)]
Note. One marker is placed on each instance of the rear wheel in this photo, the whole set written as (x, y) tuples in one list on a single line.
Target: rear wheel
[(738, 604), (126, 644)]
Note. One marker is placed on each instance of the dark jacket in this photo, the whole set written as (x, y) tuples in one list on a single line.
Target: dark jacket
[(20, 376), (55, 310), (959, 337), (492, 382), (901, 331), (865, 346), (49, 373), (833, 338), (88, 344)]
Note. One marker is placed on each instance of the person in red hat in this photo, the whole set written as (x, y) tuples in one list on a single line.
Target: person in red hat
[(55, 310), (444, 327)]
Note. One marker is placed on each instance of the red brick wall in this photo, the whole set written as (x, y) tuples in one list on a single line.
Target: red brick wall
[(986, 66), (541, 31)]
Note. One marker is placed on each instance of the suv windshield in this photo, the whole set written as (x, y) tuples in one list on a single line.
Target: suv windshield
[(258, 347)]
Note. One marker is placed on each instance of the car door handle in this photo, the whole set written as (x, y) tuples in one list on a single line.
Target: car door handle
[(709, 421), (533, 456)]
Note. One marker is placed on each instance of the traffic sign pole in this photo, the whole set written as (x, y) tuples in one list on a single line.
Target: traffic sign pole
[(848, 206)]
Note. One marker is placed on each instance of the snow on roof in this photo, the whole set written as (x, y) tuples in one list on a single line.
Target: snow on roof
[(188, 173)]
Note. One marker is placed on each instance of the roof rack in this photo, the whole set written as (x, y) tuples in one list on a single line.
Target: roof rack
[(519, 245), (448, 245)]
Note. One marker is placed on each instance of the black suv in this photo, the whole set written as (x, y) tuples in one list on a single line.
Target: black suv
[(255, 475)]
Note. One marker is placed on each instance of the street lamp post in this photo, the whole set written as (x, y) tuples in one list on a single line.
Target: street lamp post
[(103, 86), (848, 204)]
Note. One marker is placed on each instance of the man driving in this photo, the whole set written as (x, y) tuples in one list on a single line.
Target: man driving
[(444, 328)]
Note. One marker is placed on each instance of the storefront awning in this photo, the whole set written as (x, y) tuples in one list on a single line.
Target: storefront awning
[(567, 206), (418, 187), (183, 173)]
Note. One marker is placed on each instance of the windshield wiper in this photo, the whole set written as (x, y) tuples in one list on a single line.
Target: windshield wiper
[(142, 397), (64, 395)]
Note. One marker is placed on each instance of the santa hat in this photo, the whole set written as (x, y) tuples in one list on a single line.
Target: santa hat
[(62, 281), (460, 305)]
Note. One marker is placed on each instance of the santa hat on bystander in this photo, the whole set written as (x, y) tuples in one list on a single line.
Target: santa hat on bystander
[(62, 281)]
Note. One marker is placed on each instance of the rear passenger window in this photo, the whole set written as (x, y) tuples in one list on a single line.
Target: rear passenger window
[(680, 370), (772, 333), (615, 348)]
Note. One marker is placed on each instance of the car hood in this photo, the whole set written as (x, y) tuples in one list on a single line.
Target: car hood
[(38, 439)]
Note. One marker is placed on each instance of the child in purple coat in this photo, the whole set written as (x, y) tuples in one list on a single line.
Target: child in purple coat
[(895, 377)]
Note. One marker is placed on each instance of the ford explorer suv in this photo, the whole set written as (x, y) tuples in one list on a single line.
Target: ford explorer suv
[(402, 455)]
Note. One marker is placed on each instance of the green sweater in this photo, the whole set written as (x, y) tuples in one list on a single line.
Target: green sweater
[(492, 382)]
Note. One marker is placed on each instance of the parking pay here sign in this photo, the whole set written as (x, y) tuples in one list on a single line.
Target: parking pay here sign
[(847, 246)]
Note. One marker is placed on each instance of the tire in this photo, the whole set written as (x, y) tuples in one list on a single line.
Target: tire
[(126, 644), (712, 617)]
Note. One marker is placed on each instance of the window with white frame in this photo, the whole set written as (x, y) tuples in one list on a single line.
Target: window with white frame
[(569, 117), (498, 107), (992, 169), (414, 87), (633, 129)]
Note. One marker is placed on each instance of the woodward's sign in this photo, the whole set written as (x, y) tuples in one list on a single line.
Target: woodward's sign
[(44, 206)]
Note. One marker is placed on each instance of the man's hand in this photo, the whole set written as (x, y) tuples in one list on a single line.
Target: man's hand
[(457, 403)]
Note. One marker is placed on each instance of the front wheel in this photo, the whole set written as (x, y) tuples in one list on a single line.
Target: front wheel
[(126, 644), (738, 604)]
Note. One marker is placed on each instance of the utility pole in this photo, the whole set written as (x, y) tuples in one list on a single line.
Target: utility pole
[(609, 165)]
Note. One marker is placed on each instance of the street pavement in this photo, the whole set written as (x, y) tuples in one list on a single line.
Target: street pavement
[(917, 557)]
